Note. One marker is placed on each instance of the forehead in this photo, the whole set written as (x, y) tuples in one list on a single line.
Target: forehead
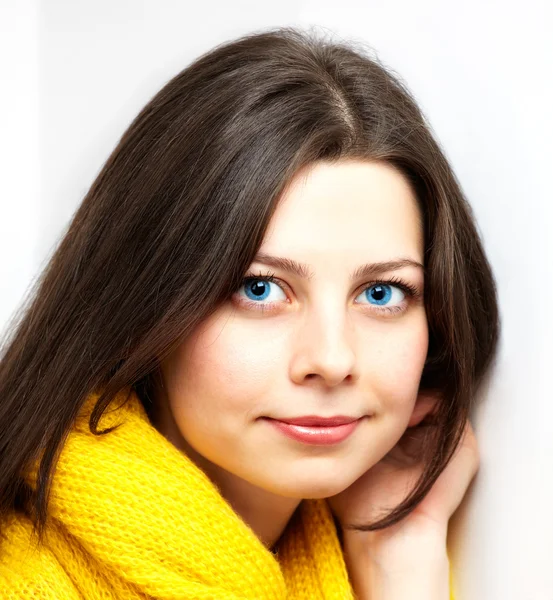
[(349, 209)]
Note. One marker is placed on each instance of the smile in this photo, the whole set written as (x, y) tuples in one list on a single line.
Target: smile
[(315, 435)]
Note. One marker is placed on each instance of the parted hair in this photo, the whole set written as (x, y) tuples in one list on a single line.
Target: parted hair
[(177, 213)]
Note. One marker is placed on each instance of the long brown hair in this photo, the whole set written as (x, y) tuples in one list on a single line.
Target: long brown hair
[(176, 215)]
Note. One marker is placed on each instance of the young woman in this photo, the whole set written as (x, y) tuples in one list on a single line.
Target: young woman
[(247, 370)]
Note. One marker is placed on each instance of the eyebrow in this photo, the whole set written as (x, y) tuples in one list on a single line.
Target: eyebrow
[(367, 270)]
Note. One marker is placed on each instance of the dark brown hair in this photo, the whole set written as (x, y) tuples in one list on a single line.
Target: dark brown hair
[(176, 215)]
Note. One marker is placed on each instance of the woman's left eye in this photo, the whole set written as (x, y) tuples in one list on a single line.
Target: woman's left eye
[(382, 294)]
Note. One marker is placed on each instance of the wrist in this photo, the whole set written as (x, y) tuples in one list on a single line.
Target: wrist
[(416, 569), (428, 581), (398, 545)]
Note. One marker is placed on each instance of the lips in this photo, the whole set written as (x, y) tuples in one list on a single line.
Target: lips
[(325, 432), (316, 421)]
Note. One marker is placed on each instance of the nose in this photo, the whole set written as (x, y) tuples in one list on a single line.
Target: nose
[(324, 349)]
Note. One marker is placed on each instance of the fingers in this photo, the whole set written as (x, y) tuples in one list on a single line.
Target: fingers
[(448, 491), (452, 485)]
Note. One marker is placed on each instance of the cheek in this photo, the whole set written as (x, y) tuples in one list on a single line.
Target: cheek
[(392, 381), (224, 368), (397, 364)]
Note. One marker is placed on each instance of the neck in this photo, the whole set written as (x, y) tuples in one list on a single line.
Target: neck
[(267, 514)]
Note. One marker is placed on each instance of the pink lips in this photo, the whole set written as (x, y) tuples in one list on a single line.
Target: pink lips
[(317, 430), (315, 421)]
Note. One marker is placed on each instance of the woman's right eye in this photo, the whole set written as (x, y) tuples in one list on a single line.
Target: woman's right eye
[(261, 290)]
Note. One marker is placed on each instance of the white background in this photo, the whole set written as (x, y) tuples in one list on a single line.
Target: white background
[(75, 72)]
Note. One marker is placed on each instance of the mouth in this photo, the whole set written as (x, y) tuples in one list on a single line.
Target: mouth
[(323, 433), (317, 421)]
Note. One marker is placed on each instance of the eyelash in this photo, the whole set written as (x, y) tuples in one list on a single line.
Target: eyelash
[(410, 291)]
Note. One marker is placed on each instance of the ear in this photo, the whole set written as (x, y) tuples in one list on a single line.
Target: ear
[(426, 404)]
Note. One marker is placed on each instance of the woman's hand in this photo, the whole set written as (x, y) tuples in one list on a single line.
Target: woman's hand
[(386, 484)]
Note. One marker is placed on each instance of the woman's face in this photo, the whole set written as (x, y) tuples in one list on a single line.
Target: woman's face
[(323, 339)]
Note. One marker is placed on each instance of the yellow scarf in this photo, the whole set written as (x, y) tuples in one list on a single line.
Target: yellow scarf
[(133, 517)]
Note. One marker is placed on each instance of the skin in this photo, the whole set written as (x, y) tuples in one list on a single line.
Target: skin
[(319, 346)]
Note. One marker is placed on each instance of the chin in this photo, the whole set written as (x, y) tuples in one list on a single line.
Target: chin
[(311, 488)]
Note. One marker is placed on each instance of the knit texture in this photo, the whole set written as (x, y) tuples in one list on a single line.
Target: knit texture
[(131, 517)]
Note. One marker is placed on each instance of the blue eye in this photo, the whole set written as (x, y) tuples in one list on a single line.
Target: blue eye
[(382, 294), (266, 292), (259, 289)]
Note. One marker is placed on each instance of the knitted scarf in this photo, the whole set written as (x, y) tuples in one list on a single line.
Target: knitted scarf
[(131, 517)]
